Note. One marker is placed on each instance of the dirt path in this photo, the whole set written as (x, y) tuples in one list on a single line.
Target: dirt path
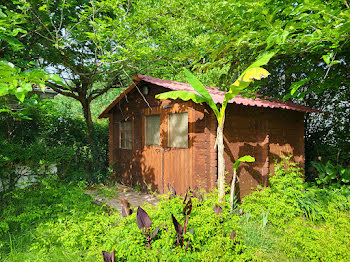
[(112, 196)]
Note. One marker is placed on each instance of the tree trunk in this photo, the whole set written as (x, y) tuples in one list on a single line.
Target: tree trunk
[(87, 116), (221, 161), (233, 185), (90, 135)]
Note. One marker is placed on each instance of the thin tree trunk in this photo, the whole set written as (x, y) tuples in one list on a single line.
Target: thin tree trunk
[(233, 185), (90, 133), (221, 161)]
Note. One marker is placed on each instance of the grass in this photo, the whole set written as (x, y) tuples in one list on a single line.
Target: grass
[(264, 240)]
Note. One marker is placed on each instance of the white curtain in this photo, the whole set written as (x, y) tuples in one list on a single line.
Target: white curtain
[(178, 130), (152, 130), (126, 134)]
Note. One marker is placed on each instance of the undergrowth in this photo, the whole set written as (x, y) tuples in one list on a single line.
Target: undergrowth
[(288, 221)]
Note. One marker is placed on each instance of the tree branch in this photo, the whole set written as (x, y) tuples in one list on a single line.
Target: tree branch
[(59, 89)]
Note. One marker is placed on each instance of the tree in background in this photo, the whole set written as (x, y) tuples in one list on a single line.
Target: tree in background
[(312, 66), (17, 76), (95, 45), (92, 46)]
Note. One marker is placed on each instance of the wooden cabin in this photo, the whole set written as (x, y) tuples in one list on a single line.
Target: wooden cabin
[(155, 142)]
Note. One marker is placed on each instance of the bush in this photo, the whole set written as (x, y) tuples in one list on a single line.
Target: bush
[(61, 218), (45, 138), (60, 209), (331, 175), (210, 239)]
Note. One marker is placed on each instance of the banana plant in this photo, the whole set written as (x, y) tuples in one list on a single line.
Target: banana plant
[(253, 72), (247, 158)]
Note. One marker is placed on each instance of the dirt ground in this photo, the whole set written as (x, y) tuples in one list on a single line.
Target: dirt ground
[(112, 196)]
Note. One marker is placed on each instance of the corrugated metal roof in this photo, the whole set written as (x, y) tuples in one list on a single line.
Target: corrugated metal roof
[(217, 95)]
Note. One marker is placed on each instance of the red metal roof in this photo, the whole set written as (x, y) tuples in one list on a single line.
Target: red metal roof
[(217, 95)]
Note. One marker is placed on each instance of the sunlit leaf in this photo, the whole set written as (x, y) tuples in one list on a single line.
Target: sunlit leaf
[(262, 60), (246, 158), (200, 88), (296, 85), (256, 73), (183, 95)]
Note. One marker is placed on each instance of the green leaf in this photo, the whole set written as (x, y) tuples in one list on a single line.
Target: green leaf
[(2, 110), (200, 88), (327, 58), (262, 60), (246, 158), (184, 95), (27, 87), (296, 85), (240, 84), (6, 63), (254, 71), (3, 89), (55, 78), (42, 87), (20, 96)]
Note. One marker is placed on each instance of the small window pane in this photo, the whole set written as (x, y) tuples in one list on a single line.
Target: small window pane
[(152, 130), (178, 130), (126, 134)]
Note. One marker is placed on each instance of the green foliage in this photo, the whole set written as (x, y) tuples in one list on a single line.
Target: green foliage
[(210, 239), (61, 219), (307, 219), (331, 175), (276, 224), (243, 159), (13, 79), (48, 139), (32, 212)]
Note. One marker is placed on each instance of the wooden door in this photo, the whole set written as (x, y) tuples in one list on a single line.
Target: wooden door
[(168, 163), (177, 154), (152, 153)]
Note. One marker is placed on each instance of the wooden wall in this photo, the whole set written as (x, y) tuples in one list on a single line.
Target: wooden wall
[(153, 166), (263, 133)]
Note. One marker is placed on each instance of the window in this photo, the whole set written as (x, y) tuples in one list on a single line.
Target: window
[(178, 130), (126, 134), (152, 130)]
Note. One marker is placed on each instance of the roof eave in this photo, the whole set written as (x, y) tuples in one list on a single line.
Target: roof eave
[(105, 113)]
